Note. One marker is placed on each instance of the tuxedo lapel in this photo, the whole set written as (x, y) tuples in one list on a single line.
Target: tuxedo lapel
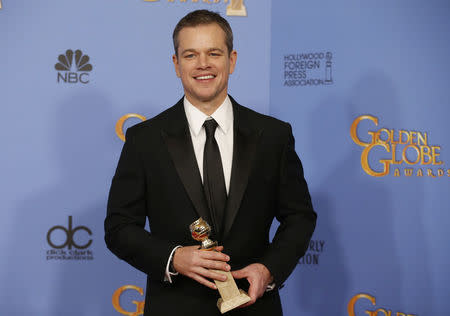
[(245, 141), (179, 143)]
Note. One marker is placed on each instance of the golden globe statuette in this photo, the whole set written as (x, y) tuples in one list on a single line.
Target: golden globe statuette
[(231, 296), (236, 8)]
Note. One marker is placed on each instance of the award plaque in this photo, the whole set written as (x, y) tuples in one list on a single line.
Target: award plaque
[(231, 296)]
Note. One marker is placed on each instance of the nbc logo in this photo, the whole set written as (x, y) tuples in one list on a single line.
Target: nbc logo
[(70, 72)]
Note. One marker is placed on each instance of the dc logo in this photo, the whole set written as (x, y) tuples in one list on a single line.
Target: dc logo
[(70, 233)]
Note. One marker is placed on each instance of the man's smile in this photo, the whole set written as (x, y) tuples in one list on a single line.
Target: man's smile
[(205, 77)]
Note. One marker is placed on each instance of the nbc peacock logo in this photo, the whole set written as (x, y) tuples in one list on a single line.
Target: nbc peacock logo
[(73, 67)]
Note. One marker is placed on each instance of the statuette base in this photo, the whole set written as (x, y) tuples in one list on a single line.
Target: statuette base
[(231, 296), (225, 306)]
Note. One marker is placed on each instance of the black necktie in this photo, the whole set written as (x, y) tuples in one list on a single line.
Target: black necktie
[(213, 179)]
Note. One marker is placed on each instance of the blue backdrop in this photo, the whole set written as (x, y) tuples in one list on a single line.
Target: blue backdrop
[(364, 84)]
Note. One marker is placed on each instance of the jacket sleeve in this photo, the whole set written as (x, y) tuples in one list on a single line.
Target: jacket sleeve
[(125, 234), (295, 214)]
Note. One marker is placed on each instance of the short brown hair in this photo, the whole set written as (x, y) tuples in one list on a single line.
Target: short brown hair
[(202, 17)]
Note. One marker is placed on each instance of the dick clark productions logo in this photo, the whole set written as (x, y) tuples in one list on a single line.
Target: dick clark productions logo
[(65, 246), (70, 72)]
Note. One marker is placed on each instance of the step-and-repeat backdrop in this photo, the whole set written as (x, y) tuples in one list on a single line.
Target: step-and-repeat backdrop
[(365, 85)]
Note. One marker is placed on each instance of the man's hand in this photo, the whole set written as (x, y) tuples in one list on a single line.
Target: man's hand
[(258, 276), (194, 263)]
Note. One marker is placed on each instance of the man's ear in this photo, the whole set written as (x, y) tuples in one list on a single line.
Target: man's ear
[(233, 59), (175, 63)]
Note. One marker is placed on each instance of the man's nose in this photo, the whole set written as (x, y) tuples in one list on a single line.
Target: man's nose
[(203, 61)]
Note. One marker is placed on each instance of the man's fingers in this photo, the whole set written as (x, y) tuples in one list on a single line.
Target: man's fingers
[(253, 291), (211, 274), (203, 281), (239, 274), (252, 301), (253, 295), (214, 255), (247, 304), (257, 278), (201, 265), (217, 265)]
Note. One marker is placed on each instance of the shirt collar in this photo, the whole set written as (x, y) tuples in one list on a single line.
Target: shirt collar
[(223, 116)]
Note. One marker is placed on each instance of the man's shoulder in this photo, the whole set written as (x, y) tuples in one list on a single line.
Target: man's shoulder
[(262, 118), (157, 123), (262, 121)]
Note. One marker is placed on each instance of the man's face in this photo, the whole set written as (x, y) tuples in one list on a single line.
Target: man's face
[(204, 64)]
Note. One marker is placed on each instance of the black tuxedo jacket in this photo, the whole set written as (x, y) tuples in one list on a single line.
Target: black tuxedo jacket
[(157, 177)]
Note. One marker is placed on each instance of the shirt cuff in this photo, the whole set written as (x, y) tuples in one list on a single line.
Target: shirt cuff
[(270, 287), (168, 274)]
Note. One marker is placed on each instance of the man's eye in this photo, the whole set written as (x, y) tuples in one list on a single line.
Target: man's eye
[(189, 56), (214, 54)]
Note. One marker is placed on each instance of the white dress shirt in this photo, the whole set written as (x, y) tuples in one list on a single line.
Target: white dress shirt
[(224, 137)]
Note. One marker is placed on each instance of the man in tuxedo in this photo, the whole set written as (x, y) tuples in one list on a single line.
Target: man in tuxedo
[(207, 156)]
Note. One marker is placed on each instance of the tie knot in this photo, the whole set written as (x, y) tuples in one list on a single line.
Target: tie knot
[(210, 127)]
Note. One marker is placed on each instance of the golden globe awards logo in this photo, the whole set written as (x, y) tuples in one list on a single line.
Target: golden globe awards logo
[(116, 298), (67, 244), (405, 152), (234, 7), (70, 72), (371, 312)]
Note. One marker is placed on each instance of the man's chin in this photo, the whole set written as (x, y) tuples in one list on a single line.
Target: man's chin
[(205, 98)]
